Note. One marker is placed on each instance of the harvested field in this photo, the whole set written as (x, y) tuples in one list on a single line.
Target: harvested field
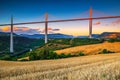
[(91, 49), (92, 67)]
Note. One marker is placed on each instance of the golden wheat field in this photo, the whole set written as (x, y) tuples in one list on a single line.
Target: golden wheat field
[(92, 67), (92, 49)]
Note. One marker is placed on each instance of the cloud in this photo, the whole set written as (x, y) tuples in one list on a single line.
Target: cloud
[(30, 32), (50, 30), (116, 21), (55, 29), (27, 30), (21, 30), (97, 23), (7, 29)]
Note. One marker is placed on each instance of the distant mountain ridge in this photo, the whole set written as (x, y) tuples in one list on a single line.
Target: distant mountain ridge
[(110, 35), (6, 33), (59, 35), (93, 36)]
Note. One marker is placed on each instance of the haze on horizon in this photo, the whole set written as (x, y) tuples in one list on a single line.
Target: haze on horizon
[(34, 10)]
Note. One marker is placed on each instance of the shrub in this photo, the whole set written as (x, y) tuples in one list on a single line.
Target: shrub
[(114, 40), (5, 57), (43, 54), (69, 55), (81, 54), (105, 51), (52, 55), (111, 40), (62, 55), (47, 54)]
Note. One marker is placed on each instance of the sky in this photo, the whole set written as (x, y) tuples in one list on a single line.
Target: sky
[(35, 10)]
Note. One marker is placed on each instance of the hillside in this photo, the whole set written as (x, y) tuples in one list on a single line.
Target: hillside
[(110, 35), (61, 43), (91, 49), (94, 67), (20, 43)]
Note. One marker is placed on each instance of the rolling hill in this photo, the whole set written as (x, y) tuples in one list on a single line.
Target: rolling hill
[(20, 43), (110, 35), (91, 49)]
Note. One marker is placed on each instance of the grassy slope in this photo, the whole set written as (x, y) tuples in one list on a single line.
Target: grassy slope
[(57, 44), (20, 43), (94, 67), (92, 49)]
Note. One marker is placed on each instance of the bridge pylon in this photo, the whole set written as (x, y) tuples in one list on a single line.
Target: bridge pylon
[(11, 36), (46, 28), (90, 23)]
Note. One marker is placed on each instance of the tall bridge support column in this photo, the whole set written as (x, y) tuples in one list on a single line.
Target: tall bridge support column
[(90, 24), (11, 36), (46, 28)]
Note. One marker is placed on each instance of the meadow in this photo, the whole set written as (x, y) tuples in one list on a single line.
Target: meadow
[(92, 67)]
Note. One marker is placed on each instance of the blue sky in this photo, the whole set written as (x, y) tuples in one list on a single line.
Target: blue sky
[(34, 10)]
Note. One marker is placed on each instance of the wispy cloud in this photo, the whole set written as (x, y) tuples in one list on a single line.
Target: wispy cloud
[(27, 30), (116, 21), (50, 30), (7, 29), (97, 23), (21, 30)]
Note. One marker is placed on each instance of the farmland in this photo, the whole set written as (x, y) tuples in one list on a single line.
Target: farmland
[(93, 67), (92, 49)]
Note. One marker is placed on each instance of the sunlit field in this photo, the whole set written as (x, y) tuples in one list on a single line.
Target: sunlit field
[(92, 49), (93, 67)]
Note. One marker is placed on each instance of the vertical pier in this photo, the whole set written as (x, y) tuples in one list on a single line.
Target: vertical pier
[(11, 36), (46, 28), (90, 23)]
